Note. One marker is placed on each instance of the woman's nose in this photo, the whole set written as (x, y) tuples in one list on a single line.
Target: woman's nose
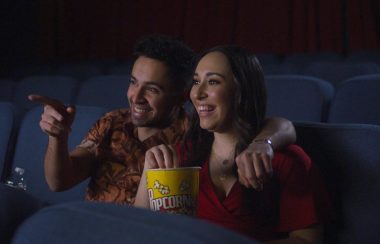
[(201, 91)]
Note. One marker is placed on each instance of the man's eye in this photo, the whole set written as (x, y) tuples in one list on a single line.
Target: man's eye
[(132, 82), (153, 90)]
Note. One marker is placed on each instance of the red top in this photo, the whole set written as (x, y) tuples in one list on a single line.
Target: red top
[(292, 200)]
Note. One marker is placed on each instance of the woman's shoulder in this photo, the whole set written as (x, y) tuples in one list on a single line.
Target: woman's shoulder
[(292, 152), (291, 159)]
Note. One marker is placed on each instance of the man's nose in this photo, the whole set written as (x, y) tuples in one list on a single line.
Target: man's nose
[(138, 95)]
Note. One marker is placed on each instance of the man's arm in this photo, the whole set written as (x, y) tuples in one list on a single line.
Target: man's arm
[(255, 162), (63, 170), (280, 131)]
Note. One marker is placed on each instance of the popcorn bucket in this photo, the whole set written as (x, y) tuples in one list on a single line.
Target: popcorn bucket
[(173, 190)]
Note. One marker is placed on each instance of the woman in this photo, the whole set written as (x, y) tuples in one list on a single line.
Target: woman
[(229, 97)]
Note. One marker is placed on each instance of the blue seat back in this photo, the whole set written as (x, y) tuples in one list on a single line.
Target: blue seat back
[(59, 87), (298, 98), (348, 157), (336, 72), (6, 131), (31, 146), (357, 100), (124, 68), (268, 58), (24, 71), (372, 56), (108, 91), (304, 59), (280, 69), (79, 71), (7, 88), (89, 222)]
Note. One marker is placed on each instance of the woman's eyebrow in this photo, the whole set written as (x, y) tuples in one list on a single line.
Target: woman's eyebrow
[(211, 74)]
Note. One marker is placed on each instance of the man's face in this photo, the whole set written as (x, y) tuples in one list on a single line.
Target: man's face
[(150, 93)]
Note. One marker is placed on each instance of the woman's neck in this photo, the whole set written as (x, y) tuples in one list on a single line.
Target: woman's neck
[(221, 163), (224, 143)]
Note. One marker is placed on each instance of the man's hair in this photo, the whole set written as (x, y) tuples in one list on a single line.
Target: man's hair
[(179, 57)]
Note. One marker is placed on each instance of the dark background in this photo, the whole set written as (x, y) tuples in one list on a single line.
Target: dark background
[(43, 31)]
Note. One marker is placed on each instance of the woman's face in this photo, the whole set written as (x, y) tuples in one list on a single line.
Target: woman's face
[(213, 92)]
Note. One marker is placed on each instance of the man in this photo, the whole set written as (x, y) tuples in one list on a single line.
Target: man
[(112, 153)]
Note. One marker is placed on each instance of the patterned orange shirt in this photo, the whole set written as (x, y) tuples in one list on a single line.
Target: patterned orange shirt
[(120, 155)]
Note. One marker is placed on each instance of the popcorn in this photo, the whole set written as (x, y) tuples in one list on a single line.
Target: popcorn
[(161, 188), (184, 186)]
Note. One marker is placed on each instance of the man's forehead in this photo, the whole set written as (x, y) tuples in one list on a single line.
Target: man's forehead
[(150, 70)]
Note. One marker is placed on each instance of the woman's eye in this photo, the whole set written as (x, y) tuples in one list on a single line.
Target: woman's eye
[(195, 82), (213, 82)]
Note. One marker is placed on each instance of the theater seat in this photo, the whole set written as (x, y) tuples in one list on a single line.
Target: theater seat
[(30, 150), (372, 56), (88, 222), (298, 98), (336, 72), (357, 100), (124, 68), (348, 157), (280, 69), (79, 71), (7, 88), (304, 59), (109, 91), (59, 87), (6, 131)]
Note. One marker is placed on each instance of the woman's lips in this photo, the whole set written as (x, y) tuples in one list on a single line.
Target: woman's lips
[(205, 110)]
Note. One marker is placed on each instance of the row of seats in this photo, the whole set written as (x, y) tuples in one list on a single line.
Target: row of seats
[(98, 223), (108, 91), (79, 71), (301, 98), (332, 71), (87, 69), (346, 155), (296, 97)]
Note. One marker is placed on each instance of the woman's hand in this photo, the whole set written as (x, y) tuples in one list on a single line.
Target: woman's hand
[(255, 165), (162, 156)]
